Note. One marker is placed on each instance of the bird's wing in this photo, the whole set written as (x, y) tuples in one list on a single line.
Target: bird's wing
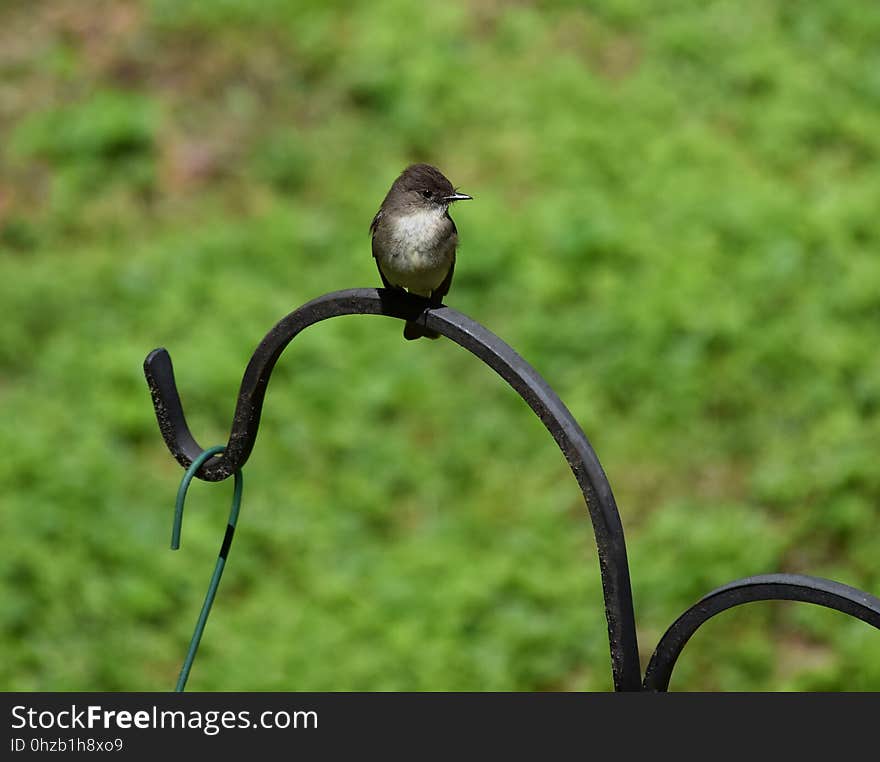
[(375, 223), (385, 281), (438, 293), (452, 222)]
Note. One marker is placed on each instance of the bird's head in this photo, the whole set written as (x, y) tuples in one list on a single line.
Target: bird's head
[(421, 186)]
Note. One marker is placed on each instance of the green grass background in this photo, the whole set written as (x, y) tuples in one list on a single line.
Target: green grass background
[(675, 221)]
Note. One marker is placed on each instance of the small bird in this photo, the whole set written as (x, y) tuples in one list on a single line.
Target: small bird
[(414, 238)]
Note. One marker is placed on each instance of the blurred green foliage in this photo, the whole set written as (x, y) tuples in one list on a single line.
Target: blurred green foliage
[(675, 223)]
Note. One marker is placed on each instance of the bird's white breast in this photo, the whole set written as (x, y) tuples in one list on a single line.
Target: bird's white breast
[(418, 231), (420, 250)]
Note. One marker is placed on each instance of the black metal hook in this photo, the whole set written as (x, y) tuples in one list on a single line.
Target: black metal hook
[(481, 342), (585, 466), (765, 587)]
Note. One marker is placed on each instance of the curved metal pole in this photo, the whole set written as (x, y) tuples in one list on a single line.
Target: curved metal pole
[(481, 342), (766, 587)]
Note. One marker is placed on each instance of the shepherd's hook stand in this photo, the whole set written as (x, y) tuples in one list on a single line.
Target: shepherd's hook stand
[(585, 466)]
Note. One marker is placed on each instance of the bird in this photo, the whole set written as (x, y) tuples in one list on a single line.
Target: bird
[(414, 238)]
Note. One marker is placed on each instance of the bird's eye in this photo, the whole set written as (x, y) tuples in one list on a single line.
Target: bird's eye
[(427, 193)]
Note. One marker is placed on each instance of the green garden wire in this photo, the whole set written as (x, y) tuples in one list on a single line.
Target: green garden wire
[(221, 557)]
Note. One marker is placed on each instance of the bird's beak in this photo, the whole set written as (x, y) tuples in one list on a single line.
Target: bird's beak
[(457, 197)]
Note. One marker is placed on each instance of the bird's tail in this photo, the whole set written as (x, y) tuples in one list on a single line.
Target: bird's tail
[(415, 331)]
